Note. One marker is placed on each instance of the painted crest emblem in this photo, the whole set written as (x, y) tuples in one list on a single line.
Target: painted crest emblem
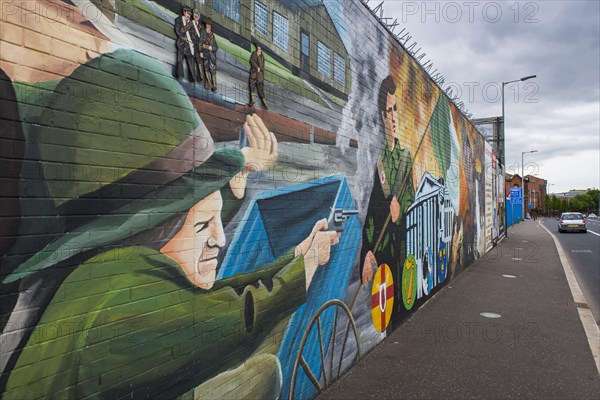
[(382, 297), (409, 282)]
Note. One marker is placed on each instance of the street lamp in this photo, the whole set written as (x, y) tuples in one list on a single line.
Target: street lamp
[(504, 132), (548, 194), (503, 117), (523, 178)]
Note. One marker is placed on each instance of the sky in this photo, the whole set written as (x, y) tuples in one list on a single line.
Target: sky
[(477, 45)]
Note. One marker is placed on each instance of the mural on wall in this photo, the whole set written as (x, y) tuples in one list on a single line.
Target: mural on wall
[(163, 238)]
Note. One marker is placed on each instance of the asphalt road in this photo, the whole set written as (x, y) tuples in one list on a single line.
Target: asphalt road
[(583, 251)]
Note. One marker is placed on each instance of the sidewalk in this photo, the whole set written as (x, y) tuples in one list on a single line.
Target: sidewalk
[(537, 349)]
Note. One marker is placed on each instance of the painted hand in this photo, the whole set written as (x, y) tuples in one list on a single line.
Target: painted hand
[(262, 152), (260, 155), (316, 248), (395, 209), (369, 267)]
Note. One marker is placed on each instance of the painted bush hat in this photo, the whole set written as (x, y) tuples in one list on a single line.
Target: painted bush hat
[(130, 151)]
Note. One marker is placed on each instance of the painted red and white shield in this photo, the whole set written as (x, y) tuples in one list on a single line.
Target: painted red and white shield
[(382, 297)]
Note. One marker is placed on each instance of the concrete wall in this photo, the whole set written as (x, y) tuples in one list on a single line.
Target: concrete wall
[(160, 239)]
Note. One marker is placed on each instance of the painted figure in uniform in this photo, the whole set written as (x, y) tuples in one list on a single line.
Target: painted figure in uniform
[(185, 46), (209, 57), (257, 76), (384, 230), (197, 33)]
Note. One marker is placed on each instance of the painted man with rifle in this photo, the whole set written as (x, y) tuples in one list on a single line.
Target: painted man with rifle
[(209, 49), (384, 233), (185, 45)]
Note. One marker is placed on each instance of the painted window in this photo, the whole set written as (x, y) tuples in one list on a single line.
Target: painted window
[(339, 69), (305, 44), (280, 31), (324, 59), (229, 8), (261, 15)]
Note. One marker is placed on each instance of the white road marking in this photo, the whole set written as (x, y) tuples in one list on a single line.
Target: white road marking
[(516, 259), (509, 276), (592, 330), (581, 251), (597, 234), (490, 315)]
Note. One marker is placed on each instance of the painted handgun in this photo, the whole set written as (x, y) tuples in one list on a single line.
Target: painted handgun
[(338, 218)]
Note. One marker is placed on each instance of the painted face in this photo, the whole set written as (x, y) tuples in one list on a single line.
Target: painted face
[(390, 118), (197, 244)]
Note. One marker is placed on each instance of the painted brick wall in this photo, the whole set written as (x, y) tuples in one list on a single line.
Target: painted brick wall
[(163, 237)]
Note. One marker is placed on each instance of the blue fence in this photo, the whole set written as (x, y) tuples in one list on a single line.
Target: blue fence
[(514, 213)]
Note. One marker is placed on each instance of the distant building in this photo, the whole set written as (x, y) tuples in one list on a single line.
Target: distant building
[(534, 192), (571, 193)]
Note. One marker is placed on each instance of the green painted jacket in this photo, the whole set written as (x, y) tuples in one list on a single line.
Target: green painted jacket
[(393, 177), (128, 323)]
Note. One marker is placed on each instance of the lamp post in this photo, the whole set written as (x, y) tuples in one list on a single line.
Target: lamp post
[(503, 117), (550, 198), (504, 133), (523, 177)]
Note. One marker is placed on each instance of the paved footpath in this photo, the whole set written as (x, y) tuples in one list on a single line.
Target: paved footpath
[(536, 349)]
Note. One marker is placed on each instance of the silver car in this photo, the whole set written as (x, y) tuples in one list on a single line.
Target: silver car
[(571, 222)]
